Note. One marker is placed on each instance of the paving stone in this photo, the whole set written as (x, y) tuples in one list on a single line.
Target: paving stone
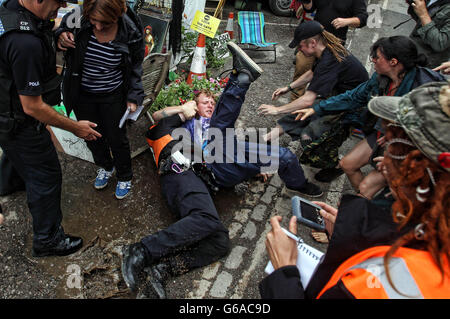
[(211, 271), (259, 212), (276, 181), (249, 231), (242, 215), (267, 197), (220, 286), (251, 199), (234, 229), (200, 290), (257, 187), (235, 257), (282, 207)]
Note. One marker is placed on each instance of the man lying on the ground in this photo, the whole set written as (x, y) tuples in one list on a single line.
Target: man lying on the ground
[(198, 238)]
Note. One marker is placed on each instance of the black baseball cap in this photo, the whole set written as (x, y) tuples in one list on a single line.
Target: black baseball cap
[(305, 30)]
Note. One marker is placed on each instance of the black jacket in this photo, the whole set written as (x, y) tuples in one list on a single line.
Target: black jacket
[(129, 41), (328, 10), (14, 22), (360, 224)]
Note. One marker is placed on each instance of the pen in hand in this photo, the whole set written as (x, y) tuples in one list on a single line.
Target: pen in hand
[(291, 235)]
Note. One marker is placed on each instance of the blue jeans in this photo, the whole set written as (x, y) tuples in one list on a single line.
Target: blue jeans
[(248, 159)]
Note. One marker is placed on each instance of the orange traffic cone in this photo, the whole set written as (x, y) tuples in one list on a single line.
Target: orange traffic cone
[(198, 65), (229, 28)]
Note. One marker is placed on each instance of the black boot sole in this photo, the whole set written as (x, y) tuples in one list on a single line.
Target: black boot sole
[(254, 68), (56, 253)]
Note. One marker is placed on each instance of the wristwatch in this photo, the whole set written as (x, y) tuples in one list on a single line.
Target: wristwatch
[(290, 88)]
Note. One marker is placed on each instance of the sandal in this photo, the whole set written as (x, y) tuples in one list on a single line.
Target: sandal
[(320, 237)]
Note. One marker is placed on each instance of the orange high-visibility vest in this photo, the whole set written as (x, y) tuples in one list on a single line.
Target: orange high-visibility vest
[(159, 144), (413, 273)]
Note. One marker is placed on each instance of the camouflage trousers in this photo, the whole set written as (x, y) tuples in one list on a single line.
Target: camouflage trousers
[(322, 150)]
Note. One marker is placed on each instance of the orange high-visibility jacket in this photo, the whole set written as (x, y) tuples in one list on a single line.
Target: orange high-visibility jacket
[(413, 273), (158, 144), (159, 135)]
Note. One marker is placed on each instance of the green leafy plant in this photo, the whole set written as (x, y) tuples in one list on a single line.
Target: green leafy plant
[(179, 92), (214, 47)]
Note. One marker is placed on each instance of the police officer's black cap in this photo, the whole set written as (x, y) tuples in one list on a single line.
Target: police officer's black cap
[(305, 30)]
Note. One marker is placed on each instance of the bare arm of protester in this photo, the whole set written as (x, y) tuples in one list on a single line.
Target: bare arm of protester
[(302, 102), (304, 79)]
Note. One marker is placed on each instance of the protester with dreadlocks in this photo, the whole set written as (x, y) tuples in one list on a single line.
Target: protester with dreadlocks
[(336, 17), (335, 71)]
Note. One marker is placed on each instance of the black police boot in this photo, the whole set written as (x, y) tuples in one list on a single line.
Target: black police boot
[(135, 259), (63, 247), (157, 276), (242, 63)]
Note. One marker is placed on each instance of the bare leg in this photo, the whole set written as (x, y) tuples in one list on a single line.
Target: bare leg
[(354, 160), (371, 184)]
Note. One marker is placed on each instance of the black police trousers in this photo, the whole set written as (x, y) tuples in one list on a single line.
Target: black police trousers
[(198, 238), (34, 157)]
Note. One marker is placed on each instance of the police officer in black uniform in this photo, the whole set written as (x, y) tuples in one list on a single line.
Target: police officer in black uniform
[(29, 84)]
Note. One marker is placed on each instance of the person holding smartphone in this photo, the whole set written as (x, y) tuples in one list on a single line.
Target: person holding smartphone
[(380, 251)]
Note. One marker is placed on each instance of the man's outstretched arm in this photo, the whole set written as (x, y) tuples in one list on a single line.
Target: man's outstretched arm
[(302, 102), (35, 107)]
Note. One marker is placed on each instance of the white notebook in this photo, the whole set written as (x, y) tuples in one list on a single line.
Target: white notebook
[(307, 261)]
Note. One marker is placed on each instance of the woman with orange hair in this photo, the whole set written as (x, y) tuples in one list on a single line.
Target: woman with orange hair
[(399, 252)]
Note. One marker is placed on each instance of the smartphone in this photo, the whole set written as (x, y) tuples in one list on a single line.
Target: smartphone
[(307, 213)]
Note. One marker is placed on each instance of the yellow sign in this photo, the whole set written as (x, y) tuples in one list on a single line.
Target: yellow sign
[(204, 23)]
